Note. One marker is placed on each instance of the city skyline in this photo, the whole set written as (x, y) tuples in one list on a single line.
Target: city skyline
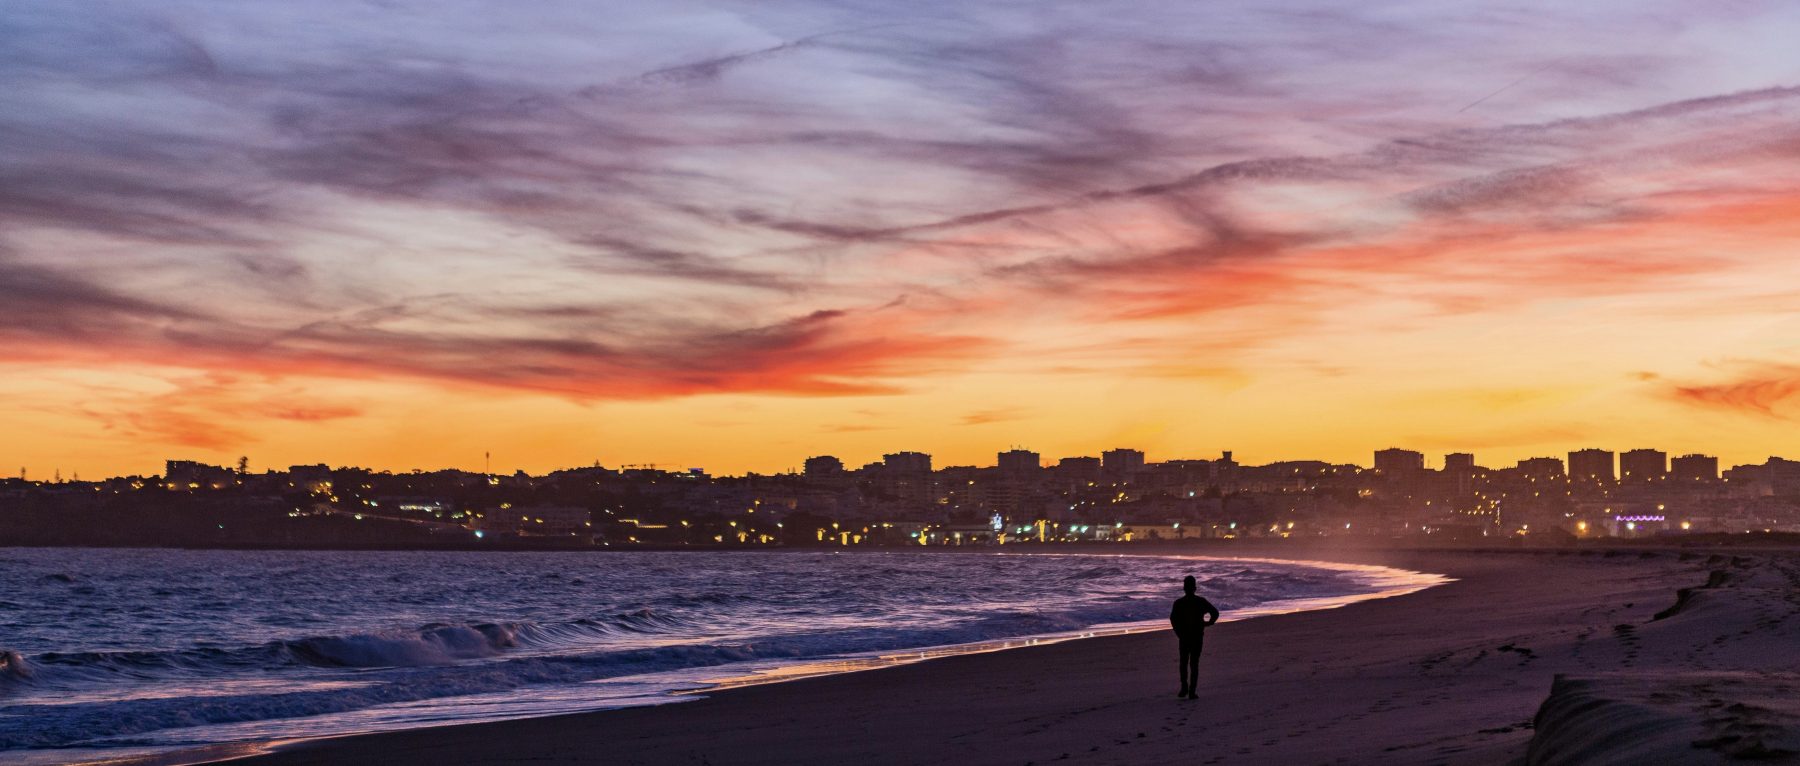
[(851, 460), (907, 499), (404, 235), (1623, 465)]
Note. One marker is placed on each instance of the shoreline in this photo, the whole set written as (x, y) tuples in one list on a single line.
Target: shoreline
[(1447, 675), (1378, 582), (1402, 582), (1484, 669)]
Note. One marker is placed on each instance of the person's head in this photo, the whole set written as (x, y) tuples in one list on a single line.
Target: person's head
[(1187, 584)]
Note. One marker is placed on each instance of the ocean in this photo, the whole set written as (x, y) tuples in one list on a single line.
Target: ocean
[(110, 651)]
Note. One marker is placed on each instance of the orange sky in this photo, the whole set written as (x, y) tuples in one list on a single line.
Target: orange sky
[(732, 239)]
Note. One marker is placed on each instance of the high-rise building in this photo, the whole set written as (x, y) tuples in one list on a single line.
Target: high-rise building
[(1019, 462), (823, 466), (1694, 468), (1541, 468), (1079, 465), (907, 477), (1783, 476), (1778, 477), (1643, 465), (907, 462), (1122, 461), (1076, 470), (1459, 462), (1591, 465), (1399, 462)]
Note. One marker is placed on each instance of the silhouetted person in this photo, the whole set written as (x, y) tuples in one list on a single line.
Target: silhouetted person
[(1190, 617)]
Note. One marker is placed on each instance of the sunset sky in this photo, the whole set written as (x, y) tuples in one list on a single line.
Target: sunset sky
[(401, 234)]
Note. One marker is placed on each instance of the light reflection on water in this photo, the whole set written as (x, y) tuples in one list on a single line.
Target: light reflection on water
[(405, 640)]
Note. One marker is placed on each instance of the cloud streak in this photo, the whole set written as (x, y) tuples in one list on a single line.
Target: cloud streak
[(824, 198), (1768, 391), (211, 411)]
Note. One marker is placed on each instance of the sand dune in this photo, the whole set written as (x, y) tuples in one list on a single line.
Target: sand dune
[(1710, 679)]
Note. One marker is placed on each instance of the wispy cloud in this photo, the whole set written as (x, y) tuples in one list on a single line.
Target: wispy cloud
[(992, 415), (1760, 390), (853, 428), (830, 198), (211, 411)]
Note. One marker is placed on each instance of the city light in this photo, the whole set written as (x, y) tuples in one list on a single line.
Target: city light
[(1029, 504)]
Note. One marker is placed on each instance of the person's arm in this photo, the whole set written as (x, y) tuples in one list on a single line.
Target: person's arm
[(1173, 614), (1212, 612)]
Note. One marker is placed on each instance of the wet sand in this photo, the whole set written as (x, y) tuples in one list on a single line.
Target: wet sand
[(1456, 674)]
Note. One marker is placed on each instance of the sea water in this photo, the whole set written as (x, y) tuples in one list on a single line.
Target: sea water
[(112, 651)]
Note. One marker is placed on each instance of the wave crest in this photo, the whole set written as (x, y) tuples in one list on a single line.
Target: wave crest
[(436, 644)]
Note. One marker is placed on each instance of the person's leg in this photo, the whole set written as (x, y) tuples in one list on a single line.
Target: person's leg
[(1191, 651), (1187, 662)]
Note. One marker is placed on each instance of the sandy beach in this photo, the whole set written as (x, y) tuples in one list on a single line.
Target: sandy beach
[(1544, 657)]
